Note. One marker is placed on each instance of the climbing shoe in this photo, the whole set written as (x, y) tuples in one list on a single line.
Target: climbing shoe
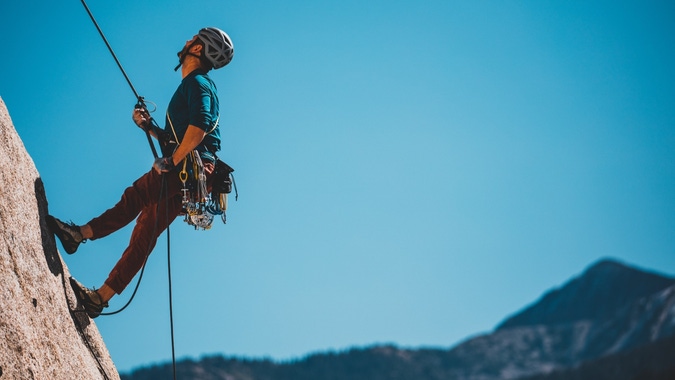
[(68, 233), (88, 298)]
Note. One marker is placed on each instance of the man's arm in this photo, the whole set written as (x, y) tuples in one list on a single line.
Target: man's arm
[(193, 137)]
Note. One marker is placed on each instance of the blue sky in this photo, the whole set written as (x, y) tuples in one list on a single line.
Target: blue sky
[(409, 171)]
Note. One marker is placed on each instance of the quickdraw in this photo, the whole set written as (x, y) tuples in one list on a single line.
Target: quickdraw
[(200, 207)]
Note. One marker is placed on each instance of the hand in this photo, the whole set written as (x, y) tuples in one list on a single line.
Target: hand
[(141, 117), (163, 165)]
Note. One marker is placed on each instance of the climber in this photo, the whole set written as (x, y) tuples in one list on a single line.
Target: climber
[(192, 119)]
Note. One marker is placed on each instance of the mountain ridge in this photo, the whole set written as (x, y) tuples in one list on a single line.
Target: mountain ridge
[(613, 281), (515, 351)]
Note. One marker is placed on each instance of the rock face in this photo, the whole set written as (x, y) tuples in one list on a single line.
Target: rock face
[(44, 334)]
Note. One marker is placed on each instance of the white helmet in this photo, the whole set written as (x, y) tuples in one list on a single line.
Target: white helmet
[(218, 47)]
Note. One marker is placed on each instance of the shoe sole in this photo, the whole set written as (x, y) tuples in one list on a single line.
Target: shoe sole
[(84, 299), (54, 227)]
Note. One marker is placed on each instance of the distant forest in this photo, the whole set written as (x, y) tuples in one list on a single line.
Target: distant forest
[(655, 361)]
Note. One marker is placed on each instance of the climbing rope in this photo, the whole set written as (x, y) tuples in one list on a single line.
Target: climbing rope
[(80, 328), (152, 125), (168, 265), (140, 102)]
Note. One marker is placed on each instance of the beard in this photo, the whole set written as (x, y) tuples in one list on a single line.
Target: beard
[(181, 56), (182, 53)]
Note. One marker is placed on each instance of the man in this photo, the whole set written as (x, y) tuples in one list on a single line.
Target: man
[(155, 199)]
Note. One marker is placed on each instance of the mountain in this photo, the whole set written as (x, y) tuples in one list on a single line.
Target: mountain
[(596, 295), (654, 361), (520, 351), (611, 316), (41, 336), (610, 308)]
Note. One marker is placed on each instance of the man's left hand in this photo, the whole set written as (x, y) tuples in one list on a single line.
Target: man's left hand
[(164, 164)]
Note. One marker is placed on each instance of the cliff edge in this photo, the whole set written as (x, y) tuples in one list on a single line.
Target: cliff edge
[(44, 333)]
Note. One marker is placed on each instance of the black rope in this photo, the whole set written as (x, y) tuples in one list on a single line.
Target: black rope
[(152, 125), (168, 261), (111, 50), (140, 102), (89, 347), (138, 283), (80, 329)]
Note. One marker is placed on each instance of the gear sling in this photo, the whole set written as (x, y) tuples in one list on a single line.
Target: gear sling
[(199, 206)]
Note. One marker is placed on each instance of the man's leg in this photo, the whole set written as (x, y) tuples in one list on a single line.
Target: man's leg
[(152, 221), (145, 192)]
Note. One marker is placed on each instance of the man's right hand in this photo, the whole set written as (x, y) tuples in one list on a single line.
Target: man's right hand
[(141, 117)]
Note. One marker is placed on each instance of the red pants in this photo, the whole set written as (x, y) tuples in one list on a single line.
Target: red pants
[(141, 201)]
